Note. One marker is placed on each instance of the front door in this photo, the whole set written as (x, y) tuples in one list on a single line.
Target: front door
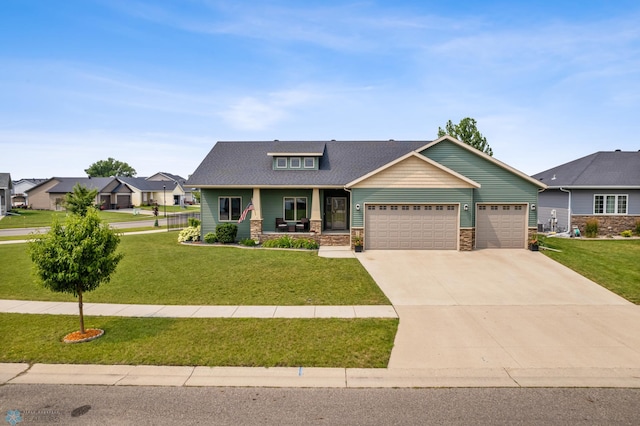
[(336, 210)]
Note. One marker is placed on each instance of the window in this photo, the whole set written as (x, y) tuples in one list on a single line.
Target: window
[(281, 162), (295, 162), (295, 208), (394, 207), (451, 208), (405, 207), (371, 207), (610, 204), (416, 207), (309, 162), (229, 208)]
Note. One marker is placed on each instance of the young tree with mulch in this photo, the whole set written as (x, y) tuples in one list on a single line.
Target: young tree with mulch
[(77, 257)]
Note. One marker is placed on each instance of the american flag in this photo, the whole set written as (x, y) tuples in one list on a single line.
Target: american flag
[(243, 216)]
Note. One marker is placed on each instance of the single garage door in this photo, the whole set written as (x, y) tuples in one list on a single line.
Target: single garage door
[(124, 201), (501, 226), (406, 227)]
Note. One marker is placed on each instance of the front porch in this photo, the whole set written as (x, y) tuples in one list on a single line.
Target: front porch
[(322, 237)]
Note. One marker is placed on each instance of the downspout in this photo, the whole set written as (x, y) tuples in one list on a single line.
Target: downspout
[(568, 210), (350, 212)]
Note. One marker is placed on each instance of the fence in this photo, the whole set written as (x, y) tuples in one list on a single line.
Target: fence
[(179, 221)]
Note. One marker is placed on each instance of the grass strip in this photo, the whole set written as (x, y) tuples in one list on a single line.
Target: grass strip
[(344, 343), (614, 264)]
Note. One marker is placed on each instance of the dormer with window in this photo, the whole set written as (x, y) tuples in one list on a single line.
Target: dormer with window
[(296, 155)]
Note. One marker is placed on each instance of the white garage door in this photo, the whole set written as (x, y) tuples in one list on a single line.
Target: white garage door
[(501, 226), (405, 227)]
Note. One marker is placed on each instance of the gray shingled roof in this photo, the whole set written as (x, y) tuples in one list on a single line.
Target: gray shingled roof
[(247, 163), (147, 185), (5, 180), (603, 168), (67, 183)]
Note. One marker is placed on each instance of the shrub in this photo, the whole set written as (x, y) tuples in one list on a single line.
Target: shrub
[(637, 227), (287, 241), (226, 232), (210, 238), (591, 228), (249, 242), (192, 233), (628, 233), (192, 221)]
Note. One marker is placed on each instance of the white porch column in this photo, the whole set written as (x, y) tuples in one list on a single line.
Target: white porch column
[(315, 205), (256, 213)]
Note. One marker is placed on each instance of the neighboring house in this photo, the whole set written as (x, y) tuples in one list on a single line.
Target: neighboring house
[(20, 188), (442, 194), (604, 185), (49, 195), (6, 188), (161, 188)]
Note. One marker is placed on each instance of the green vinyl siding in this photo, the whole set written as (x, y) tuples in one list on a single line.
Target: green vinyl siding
[(498, 185), (209, 210), (412, 196), (272, 201)]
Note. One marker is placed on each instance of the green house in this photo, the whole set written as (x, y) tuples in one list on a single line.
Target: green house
[(438, 195)]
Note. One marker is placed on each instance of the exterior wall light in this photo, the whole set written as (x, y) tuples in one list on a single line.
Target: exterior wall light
[(466, 207), (533, 206), (358, 207)]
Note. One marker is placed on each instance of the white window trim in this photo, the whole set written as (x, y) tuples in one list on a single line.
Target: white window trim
[(278, 166), (615, 205), (313, 162), (295, 208), (291, 163), (231, 219)]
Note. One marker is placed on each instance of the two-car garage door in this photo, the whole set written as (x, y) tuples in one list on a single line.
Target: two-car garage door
[(435, 226), (405, 227)]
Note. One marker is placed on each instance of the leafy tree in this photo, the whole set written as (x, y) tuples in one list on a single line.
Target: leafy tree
[(110, 167), (467, 132), (80, 199), (77, 257)]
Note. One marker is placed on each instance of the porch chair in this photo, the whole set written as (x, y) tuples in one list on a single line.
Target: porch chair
[(303, 225), (281, 225)]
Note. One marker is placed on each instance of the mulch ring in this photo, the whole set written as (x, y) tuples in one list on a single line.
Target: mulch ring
[(88, 335)]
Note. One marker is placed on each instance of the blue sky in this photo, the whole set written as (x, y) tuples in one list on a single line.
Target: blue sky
[(157, 83)]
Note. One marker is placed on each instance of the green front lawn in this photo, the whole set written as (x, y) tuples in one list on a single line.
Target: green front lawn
[(158, 270), (345, 343), (43, 218), (614, 264)]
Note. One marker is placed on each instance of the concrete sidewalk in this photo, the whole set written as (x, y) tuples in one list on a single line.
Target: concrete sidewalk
[(195, 311), (188, 376)]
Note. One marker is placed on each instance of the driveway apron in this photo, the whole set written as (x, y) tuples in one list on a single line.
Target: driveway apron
[(507, 309)]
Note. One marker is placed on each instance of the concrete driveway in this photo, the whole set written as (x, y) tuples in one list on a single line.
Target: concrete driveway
[(511, 310)]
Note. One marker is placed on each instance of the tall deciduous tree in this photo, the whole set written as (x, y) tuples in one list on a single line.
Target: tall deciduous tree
[(77, 257), (110, 167), (80, 199), (467, 132)]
